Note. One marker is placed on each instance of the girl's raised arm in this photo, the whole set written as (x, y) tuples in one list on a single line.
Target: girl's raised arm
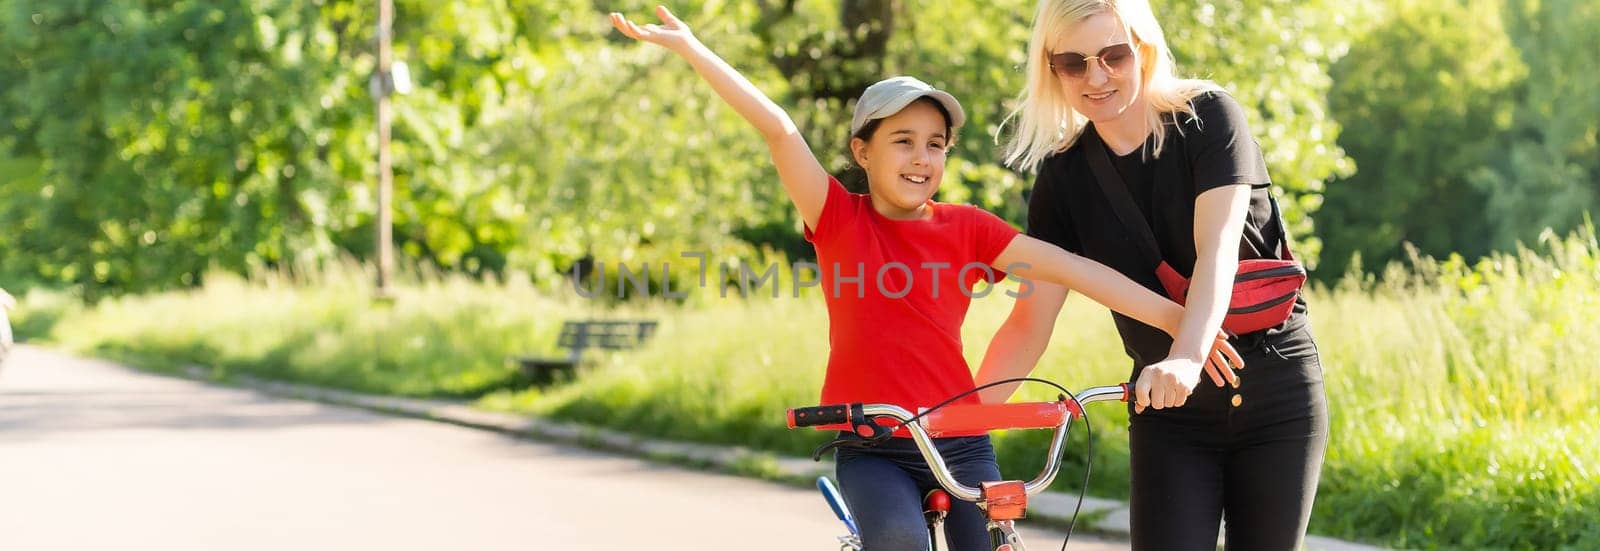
[(802, 176)]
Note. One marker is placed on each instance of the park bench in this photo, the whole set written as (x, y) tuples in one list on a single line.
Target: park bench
[(578, 336)]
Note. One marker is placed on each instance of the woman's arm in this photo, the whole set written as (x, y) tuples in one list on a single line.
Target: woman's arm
[(1219, 216), (1021, 340), (802, 176), (1218, 223)]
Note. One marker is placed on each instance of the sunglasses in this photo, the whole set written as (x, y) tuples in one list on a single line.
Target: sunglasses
[(1114, 59)]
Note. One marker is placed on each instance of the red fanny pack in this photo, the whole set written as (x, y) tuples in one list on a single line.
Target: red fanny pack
[(1263, 292), (1264, 289)]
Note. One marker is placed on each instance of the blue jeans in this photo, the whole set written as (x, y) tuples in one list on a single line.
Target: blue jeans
[(884, 486)]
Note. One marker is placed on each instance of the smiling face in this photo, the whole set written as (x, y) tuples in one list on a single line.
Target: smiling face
[(1105, 97), (904, 159)]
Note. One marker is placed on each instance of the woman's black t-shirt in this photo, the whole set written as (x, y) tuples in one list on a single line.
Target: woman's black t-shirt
[(1206, 151)]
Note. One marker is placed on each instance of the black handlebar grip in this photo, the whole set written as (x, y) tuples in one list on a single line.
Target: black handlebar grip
[(819, 415)]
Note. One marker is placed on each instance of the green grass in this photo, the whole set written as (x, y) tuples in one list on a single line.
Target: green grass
[(448, 336), (1462, 397)]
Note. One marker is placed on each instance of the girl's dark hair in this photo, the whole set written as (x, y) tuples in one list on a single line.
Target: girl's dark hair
[(854, 178)]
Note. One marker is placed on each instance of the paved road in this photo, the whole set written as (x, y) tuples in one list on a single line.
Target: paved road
[(97, 456)]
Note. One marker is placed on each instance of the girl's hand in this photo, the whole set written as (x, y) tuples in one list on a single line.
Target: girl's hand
[(1223, 360), (672, 34), (1165, 384)]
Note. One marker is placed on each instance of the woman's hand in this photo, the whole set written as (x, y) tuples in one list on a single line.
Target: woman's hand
[(1165, 384), (1169, 382), (672, 34), (1223, 360)]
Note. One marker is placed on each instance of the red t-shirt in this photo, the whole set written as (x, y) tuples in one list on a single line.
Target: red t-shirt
[(890, 343)]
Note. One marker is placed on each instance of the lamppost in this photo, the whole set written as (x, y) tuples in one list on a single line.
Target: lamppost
[(390, 77)]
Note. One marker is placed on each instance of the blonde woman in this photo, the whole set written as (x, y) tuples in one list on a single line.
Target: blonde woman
[(1100, 75)]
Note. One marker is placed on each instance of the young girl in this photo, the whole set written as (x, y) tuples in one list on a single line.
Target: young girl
[(897, 269)]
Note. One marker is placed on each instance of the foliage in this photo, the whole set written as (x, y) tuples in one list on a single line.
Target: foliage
[(1473, 125), (147, 144)]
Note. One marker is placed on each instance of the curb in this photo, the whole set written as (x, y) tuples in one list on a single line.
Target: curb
[(1107, 517)]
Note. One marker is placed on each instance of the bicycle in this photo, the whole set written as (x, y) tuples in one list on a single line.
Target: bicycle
[(1003, 502)]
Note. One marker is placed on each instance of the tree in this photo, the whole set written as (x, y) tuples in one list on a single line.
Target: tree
[(150, 143), (1549, 176), (147, 144), (1474, 125), (1419, 116), (143, 145), (1274, 56)]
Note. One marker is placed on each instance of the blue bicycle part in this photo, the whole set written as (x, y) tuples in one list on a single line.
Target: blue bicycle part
[(836, 501)]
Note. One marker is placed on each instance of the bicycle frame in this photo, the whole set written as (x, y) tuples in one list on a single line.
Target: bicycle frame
[(1002, 502)]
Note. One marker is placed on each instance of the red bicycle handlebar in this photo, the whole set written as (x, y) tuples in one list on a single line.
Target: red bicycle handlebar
[(964, 419)]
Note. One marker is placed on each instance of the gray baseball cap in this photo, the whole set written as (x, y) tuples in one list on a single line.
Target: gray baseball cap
[(890, 95)]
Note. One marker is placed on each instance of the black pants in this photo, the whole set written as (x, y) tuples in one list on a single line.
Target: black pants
[(884, 486), (1254, 462)]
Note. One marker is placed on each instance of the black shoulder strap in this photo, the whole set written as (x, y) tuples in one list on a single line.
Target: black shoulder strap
[(1116, 193), (1283, 230)]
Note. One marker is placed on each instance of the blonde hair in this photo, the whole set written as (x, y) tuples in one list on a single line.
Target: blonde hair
[(1047, 123)]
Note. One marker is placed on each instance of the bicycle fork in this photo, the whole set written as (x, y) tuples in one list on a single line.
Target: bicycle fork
[(1003, 536)]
